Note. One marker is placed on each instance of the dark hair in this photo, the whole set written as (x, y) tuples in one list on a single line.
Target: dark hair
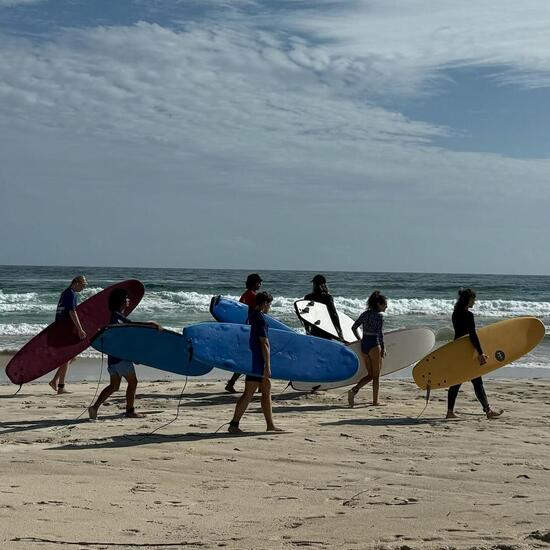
[(252, 280), (464, 297), (376, 299), (263, 298), (78, 279), (319, 280), (117, 298)]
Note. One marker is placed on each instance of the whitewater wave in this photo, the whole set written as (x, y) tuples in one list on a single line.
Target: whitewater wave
[(195, 302)]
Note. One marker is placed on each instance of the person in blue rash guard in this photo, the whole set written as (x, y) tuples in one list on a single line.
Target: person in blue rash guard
[(261, 366), (372, 344), (119, 301), (464, 324), (66, 306)]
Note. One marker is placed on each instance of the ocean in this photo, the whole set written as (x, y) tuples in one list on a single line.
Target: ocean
[(180, 297)]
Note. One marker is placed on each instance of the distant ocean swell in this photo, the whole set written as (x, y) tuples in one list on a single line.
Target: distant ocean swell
[(184, 301)]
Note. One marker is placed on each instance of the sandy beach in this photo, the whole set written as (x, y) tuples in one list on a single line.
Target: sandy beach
[(337, 478)]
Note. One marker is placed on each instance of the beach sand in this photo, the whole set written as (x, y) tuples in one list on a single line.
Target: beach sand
[(338, 478)]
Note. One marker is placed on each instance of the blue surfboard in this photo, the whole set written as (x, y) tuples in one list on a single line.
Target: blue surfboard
[(164, 350), (293, 356), (225, 310)]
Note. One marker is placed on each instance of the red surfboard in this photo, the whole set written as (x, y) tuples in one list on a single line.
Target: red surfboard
[(59, 342)]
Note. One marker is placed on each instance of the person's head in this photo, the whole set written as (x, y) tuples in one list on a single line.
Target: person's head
[(263, 301), (377, 301), (319, 283), (466, 298), (79, 283), (119, 299), (253, 282)]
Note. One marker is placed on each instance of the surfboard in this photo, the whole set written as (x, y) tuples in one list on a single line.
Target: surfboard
[(225, 310), (161, 349), (403, 348), (59, 342), (457, 361), (293, 356), (315, 313)]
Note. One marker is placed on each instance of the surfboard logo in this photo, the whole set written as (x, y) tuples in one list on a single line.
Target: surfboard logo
[(500, 355)]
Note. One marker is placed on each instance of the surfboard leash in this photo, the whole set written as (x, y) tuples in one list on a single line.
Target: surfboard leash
[(428, 389), (18, 390), (275, 397), (136, 439)]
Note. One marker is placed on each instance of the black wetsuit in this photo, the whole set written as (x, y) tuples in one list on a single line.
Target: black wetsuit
[(327, 299), (464, 324)]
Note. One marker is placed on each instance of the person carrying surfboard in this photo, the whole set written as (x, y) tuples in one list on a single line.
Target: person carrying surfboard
[(119, 300), (253, 284), (321, 294), (464, 324), (261, 366), (372, 344), (67, 306)]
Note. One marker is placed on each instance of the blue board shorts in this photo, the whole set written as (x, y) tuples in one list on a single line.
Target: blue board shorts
[(122, 368), (258, 365)]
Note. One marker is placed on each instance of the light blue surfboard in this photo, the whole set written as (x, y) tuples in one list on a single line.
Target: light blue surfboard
[(164, 350), (293, 356), (225, 310)]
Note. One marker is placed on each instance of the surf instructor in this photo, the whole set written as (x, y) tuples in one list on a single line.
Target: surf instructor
[(321, 294), (67, 306), (464, 324)]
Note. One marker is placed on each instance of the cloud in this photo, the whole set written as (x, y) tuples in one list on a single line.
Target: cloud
[(405, 46), (194, 124)]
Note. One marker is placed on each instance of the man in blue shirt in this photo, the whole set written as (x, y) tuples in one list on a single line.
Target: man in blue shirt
[(261, 367), (67, 307)]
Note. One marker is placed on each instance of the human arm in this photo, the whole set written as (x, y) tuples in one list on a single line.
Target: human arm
[(381, 334), (472, 333), (74, 318), (264, 344), (356, 325), (334, 317)]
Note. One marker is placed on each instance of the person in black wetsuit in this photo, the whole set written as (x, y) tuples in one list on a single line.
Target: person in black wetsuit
[(464, 324), (321, 294)]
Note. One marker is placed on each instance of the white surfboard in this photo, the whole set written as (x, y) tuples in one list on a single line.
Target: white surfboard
[(403, 348), (317, 314)]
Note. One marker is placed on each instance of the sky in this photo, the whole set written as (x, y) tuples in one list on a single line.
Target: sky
[(361, 135)]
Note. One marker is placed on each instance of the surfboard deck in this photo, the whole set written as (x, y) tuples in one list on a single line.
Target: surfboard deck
[(315, 313), (403, 346), (59, 342), (293, 356), (225, 310), (457, 361), (161, 349)]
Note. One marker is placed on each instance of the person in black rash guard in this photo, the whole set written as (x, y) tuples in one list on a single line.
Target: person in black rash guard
[(464, 324), (320, 294)]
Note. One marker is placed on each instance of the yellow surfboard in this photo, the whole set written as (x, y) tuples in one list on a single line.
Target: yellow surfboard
[(457, 362)]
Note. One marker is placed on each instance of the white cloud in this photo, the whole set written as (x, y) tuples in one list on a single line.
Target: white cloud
[(285, 112), (403, 46)]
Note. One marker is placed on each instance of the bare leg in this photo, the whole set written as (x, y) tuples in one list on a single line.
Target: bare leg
[(104, 395), (375, 356), (265, 388), (57, 383), (365, 380), (242, 404), (131, 395)]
